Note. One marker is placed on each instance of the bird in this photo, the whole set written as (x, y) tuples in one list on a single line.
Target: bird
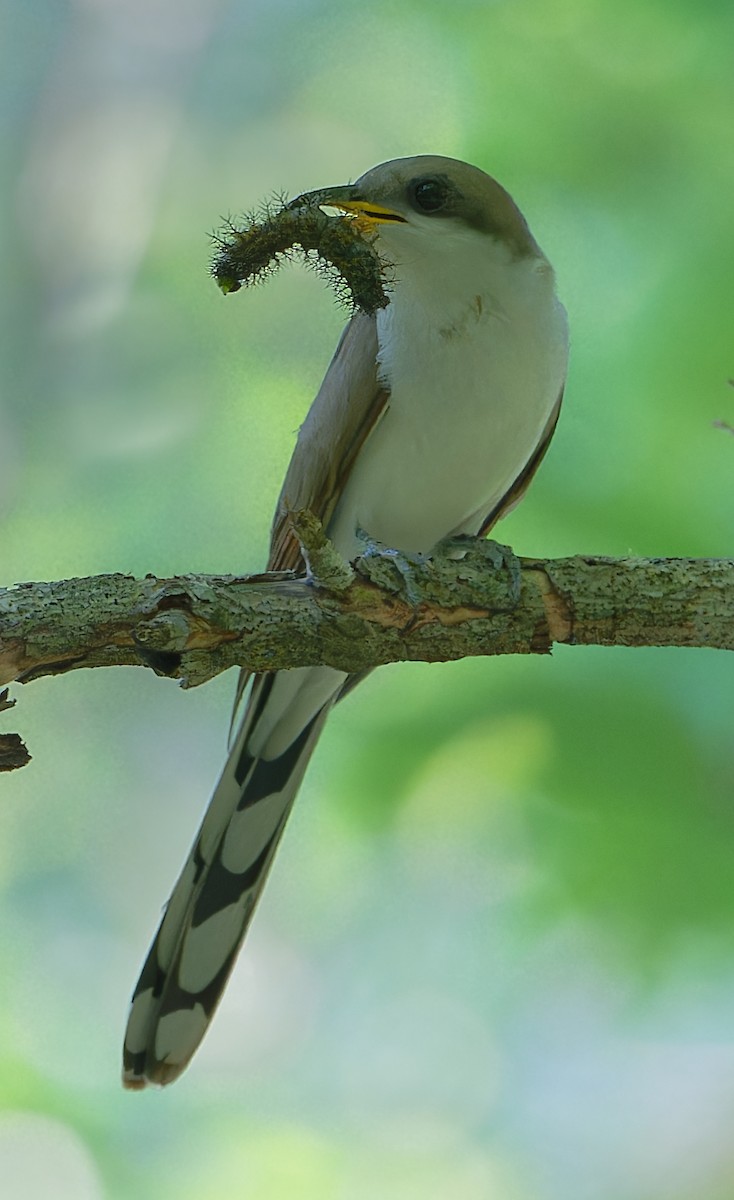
[(430, 423)]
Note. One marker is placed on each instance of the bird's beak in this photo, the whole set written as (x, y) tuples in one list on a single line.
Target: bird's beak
[(348, 199)]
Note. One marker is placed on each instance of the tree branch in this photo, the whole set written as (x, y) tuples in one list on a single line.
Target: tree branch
[(194, 626)]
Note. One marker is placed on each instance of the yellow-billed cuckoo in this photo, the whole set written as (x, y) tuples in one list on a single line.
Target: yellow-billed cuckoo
[(430, 422)]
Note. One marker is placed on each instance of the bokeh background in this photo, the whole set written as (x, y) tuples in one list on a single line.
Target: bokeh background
[(495, 959)]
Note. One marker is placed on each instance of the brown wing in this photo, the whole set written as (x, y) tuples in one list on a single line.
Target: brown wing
[(347, 407), (517, 490)]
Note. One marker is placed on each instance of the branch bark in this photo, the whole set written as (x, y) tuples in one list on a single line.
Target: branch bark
[(194, 626)]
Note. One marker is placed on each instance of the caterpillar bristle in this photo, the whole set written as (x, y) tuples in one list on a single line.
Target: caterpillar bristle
[(252, 249)]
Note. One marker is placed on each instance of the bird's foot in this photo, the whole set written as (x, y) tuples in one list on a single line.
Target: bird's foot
[(501, 557), (396, 562)]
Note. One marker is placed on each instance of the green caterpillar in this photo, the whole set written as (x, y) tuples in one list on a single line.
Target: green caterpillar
[(331, 245)]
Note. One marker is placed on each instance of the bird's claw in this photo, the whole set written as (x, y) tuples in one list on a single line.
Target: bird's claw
[(397, 562), (501, 557)]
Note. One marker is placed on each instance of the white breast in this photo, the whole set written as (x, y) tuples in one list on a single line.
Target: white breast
[(473, 348)]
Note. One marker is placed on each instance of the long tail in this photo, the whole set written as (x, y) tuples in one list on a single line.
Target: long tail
[(207, 916)]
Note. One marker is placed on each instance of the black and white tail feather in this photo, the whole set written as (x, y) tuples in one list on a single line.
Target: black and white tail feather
[(211, 906), (207, 916)]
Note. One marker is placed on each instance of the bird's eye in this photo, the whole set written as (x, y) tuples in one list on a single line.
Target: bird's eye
[(429, 195)]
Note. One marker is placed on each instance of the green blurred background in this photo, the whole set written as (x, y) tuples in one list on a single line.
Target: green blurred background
[(495, 960)]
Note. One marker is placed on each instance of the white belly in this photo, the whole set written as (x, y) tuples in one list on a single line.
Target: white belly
[(467, 408)]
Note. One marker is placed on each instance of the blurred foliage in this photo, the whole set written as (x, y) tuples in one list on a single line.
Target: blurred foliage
[(495, 957)]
